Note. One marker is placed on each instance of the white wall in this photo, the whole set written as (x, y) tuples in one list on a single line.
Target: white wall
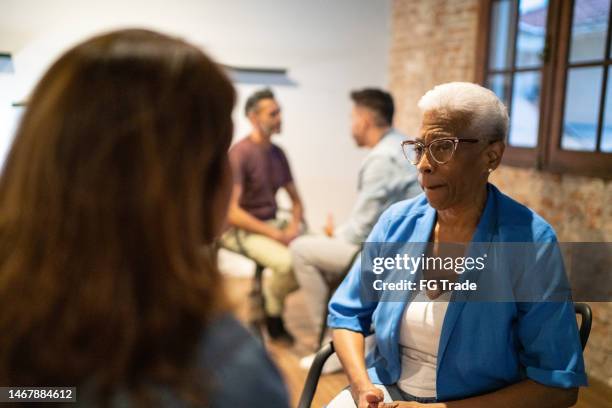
[(329, 48)]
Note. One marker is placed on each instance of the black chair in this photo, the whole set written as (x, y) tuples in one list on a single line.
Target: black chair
[(586, 318), (312, 379), (257, 312)]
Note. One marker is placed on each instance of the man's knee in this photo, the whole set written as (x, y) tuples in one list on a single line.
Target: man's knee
[(282, 284), (281, 264), (302, 247), (296, 247)]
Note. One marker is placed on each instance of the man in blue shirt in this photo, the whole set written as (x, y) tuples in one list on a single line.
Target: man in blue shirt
[(384, 178)]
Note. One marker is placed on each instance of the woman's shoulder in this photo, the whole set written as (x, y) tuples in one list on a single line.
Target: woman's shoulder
[(236, 368), (518, 221), (397, 222), (412, 207), (242, 372)]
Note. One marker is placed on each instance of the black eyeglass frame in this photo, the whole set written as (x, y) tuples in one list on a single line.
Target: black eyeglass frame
[(427, 147)]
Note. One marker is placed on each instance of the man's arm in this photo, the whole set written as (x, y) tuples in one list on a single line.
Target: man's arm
[(239, 218), (373, 192), (297, 210)]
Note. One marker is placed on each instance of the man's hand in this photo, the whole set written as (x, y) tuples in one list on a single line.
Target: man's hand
[(408, 404), (369, 397), (329, 225), (285, 236), (292, 231), (279, 235)]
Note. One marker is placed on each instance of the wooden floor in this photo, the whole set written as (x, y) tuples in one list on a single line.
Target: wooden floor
[(597, 395)]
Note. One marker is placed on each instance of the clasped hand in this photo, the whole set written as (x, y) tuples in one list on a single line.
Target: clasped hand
[(373, 398)]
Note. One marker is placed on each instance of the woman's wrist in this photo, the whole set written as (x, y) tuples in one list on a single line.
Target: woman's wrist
[(358, 389), (361, 384)]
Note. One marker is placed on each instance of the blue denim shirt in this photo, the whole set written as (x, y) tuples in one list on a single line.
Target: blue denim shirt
[(484, 346), (242, 373), (238, 372), (385, 177)]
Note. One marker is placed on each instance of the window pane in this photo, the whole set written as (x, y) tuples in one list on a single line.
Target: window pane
[(606, 135), (502, 23), (532, 33), (589, 30), (500, 84), (582, 95), (525, 113)]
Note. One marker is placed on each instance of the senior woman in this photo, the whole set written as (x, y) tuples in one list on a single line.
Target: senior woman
[(457, 354)]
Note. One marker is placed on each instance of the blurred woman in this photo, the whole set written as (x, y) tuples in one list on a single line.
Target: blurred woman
[(111, 197)]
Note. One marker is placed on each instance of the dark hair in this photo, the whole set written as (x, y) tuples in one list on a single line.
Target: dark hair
[(106, 200), (378, 101), (260, 95)]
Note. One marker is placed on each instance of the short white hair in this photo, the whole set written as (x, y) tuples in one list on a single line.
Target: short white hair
[(488, 115)]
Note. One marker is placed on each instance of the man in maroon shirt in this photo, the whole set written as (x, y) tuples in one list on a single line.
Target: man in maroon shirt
[(260, 168)]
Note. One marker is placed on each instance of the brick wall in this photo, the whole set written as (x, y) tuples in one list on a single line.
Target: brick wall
[(434, 41), (431, 42), (579, 209)]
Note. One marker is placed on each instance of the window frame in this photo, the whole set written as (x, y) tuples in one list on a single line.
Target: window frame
[(548, 155)]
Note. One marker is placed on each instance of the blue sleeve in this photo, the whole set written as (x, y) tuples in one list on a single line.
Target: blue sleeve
[(347, 310), (551, 352), (243, 374)]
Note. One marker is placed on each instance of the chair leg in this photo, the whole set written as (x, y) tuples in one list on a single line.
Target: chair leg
[(323, 328), (257, 314), (314, 373)]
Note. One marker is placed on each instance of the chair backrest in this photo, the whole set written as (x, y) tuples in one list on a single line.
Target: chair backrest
[(586, 318)]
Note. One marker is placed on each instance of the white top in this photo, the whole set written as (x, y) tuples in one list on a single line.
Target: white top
[(420, 330)]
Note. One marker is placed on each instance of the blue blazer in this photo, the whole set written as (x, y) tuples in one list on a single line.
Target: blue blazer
[(484, 346)]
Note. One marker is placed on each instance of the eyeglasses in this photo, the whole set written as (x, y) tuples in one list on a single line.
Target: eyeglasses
[(440, 150)]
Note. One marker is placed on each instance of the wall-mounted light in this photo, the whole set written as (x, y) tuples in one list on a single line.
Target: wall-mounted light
[(259, 76), (6, 63)]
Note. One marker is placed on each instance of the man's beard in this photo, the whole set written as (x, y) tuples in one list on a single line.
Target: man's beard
[(272, 130)]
